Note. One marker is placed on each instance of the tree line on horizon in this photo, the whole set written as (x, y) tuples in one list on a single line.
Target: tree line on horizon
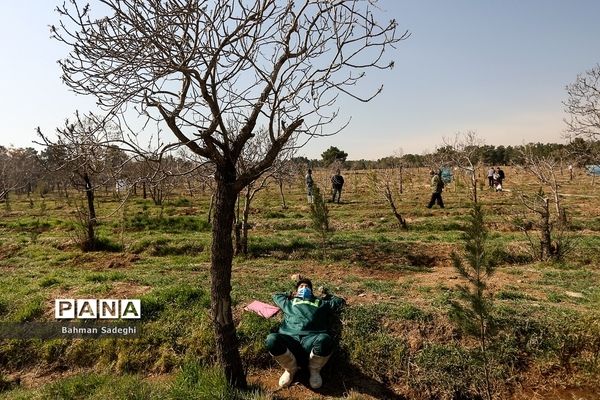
[(578, 152), (21, 169)]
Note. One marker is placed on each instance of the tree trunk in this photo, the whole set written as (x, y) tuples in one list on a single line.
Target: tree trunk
[(474, 186), (237, 233), (245, 226), (390, 199), (220, 271), (401, 188), (546, 240), (144, 193), (237, 229), (210, 208), (91, 221), (283, 205)]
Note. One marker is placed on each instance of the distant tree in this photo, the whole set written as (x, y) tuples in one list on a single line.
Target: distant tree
[(283, 173), (278, 172), (332, 155), (414, 160), (584, 152), (9, 178), (385, 183), (554, 239), (83, 142), (19, 171), (463, 151), (583, 105), (52, 158)]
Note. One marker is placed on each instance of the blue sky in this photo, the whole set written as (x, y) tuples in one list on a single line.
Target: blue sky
[(496, 67)]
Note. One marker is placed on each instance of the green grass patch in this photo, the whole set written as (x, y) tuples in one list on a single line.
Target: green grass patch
[(171, 224), (30, 311)]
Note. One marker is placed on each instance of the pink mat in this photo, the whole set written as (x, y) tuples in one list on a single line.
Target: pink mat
[(262, 309)]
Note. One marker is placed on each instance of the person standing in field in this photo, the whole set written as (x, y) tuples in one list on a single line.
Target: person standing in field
[(500, 175), (303, 337), (437, 186), (309, 186), (337, 183), (496, 181), (570, 172), (491, 177)]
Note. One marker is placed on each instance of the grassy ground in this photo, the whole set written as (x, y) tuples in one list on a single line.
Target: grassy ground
[(396, 339)]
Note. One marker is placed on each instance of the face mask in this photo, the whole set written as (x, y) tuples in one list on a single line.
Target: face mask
[(304, 293)]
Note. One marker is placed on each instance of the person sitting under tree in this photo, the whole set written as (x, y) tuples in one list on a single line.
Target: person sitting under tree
[(303, 337)]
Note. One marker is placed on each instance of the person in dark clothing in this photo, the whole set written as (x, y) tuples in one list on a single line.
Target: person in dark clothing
[(303, 334), (337, 182), (437, 186), (500, 173), (309, 186)]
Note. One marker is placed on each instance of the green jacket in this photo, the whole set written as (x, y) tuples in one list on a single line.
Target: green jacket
[(303, 317)]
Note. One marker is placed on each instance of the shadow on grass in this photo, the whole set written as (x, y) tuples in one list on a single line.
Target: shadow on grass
[(340, 382)]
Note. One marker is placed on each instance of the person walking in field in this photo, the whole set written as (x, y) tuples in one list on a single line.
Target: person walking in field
[(303, 338), (309, 186), (337, 183), (437, 186)]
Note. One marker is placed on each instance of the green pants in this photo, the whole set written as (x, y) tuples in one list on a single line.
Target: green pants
[(300, 345)]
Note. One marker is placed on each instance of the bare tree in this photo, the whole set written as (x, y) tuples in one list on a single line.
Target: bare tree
[(284, 173), (215, 71), (84, 144), (547, 236), (464, 154), (583, 105), (52, 158), (544, 169), (383, 182), (554, 240), (275, 173), (17, 170)]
